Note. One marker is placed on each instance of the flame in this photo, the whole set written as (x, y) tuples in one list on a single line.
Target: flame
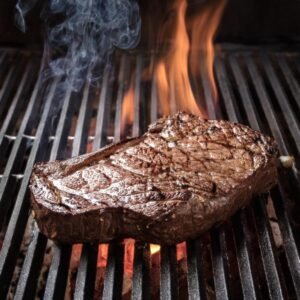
[(203, 30), (172, 70), (127, 108)]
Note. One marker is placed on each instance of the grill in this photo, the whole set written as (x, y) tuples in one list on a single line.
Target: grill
[(255, 255)]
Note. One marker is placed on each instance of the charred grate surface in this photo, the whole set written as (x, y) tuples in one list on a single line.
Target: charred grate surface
[(255, 255)]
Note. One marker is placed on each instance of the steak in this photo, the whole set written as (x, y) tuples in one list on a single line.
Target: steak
[(184, 175)]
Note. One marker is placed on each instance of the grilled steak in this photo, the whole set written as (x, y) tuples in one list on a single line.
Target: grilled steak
[(171, 184)]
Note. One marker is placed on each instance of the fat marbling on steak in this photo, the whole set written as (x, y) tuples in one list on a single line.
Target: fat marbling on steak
[(171, 184)]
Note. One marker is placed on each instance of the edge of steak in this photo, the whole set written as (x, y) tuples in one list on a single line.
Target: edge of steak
[(180, 178)]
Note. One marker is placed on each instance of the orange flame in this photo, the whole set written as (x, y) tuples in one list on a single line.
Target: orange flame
[(204, 27), (172, 71), (127, 108)]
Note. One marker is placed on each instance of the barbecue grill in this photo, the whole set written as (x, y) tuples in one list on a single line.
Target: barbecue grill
[(254, 255)]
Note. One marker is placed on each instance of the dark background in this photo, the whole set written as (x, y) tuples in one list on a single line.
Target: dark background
[(246, 21)]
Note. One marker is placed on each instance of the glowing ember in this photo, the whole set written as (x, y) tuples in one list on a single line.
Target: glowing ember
[(76, 253), (102, 255), (154, 248), (181, 251), (128, 256)]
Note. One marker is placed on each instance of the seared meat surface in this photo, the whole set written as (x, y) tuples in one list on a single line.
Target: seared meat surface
[(176, 181)]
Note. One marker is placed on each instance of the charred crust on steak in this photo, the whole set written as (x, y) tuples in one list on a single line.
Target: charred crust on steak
[(179, 179)]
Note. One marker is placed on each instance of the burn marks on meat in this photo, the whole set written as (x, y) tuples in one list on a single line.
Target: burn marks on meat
[(214, 188)]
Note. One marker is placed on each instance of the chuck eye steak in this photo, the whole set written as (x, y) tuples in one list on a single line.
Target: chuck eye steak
[(184, 175)]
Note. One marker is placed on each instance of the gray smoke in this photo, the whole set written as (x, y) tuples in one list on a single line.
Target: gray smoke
[(81, 34)]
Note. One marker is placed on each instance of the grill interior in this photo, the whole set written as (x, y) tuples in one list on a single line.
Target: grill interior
[(253, 255)]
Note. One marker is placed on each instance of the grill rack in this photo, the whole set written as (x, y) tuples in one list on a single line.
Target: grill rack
[(257, 86)]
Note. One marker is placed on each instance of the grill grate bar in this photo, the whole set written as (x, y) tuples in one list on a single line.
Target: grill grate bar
[(113, 279), (168, 273), (196, 275), (85, 281), (168, 259), (217, 235), (141, 272), (31, 268), (290, 78), (80, 137), (38, 244), (137, 97), (218, 241), (8, 84), (86, 273), (62, 126), (289, 244), (103, 107), (195, 266), (246, 273), (18, 219), (141, 265), (242, 248), (58, 272), (226, 91), (244, 91), (266, 105), (7, 66), (62, 253), (286, 109), (17, 101), (266, 245), (154, 94), (124, 70), (212, 111)]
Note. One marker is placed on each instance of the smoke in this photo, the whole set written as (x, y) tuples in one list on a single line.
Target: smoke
[(81, 35)]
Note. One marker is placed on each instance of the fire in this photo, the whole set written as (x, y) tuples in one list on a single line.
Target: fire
[(172, 71), (154, 248), (128, 256), (203, 30), (127, 108)]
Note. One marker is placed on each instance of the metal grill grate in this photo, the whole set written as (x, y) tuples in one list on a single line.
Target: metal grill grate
[(255, 255)]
